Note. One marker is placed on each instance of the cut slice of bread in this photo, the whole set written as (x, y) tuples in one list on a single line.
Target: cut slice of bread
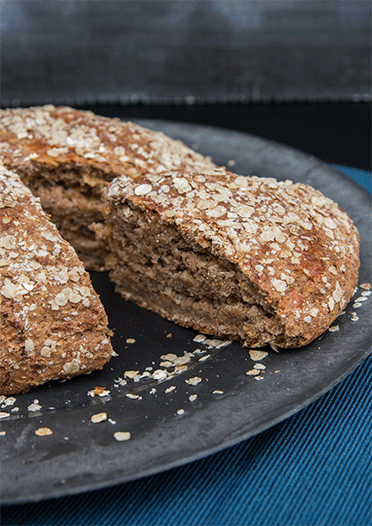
[(246, 258), (53, 324)]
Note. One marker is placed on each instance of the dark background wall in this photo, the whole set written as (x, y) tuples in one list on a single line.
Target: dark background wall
[(164, 51), (296, 71)]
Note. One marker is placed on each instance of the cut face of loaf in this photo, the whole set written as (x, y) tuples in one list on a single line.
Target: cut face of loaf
[(256, 260), (52, 323), (68, 158)]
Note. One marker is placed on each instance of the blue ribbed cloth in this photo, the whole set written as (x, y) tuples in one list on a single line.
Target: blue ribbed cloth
[(314, 469)]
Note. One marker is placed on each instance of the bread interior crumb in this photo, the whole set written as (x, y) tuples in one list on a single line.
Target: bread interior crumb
[(155, 265)]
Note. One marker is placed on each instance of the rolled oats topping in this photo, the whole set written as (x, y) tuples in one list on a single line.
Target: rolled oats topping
[(65, 134)]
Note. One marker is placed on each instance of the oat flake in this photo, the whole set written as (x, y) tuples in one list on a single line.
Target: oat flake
[(43, 431), (98, 391), (199, 338), (253, 372), (34, 407), (194, 381), (257, 355), (98, 417), (122, 436)]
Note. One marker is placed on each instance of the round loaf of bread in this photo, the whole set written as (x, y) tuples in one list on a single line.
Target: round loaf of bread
[(53, 324), (256, 260), (248, 258)]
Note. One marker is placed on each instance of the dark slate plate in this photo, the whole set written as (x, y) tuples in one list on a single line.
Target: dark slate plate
[(81, 455)]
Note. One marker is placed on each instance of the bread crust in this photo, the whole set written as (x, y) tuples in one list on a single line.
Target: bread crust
[(53, 324), (38, 139), (296, 246)]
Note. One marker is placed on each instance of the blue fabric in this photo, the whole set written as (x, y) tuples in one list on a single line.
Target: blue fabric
[(314, 469), (362, 177)]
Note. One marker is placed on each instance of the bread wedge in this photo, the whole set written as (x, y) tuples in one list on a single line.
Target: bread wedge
[(52, 323), (246, 258)]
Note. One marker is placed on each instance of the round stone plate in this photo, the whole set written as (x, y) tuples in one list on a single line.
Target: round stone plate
[(201, 399)]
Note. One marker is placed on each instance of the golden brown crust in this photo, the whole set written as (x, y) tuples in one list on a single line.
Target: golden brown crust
[(53, 324), (32, 139), (297, 246)]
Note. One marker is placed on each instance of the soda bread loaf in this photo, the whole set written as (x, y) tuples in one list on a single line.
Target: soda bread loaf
[(246, 258), (52, 323), (68, 158), (256, 260)]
